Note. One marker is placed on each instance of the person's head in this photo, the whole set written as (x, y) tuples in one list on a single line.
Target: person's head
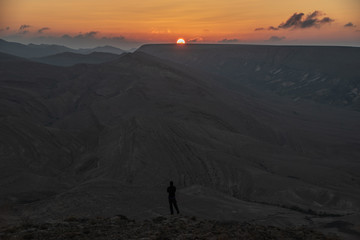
[(171, 183)]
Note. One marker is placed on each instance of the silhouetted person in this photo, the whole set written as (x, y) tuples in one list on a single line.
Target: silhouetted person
[(172, 200)]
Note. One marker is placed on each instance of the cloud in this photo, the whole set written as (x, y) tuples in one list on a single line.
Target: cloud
[(5, 29), (273, 28), (293, 21), (300, 21), (297, 20), (349, 24), (86, 35), (23, 29), (275, 39), (225, 40), (315, 14), (326, 20), (259, 29), (41, 30), (90, 34), (24, 26), (195, 39)]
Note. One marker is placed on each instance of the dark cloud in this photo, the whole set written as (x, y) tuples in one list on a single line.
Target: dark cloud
[(225, 40), (300, 21), (90, 34), (293, 21), (195, 39), (308, 23), (326, 20), (66, 36), (81, 36), (23, 29), (314, 14), (24, 26), (273, 28), (297, 20), (41, 30), (5, 29), (349, 24), (275, 39), (259, 29)]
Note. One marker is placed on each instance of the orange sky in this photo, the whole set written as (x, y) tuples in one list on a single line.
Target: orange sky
[(166, 20)]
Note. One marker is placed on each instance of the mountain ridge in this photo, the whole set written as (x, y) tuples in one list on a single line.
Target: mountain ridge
[(43, 50), (70, 58)]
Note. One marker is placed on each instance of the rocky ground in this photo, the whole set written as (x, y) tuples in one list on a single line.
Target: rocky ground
[(178, 227)]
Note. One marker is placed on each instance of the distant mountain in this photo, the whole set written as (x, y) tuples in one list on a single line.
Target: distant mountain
[(31, 50), (69, 58), (4, 57), (42, 50), (328, 75), (105, 49)]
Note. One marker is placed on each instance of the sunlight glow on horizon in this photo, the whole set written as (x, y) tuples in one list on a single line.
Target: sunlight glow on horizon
[(163, 21)]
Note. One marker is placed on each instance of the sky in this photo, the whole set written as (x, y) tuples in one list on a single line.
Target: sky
[(128, 23)]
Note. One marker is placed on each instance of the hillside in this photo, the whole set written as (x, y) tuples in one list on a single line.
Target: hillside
[(328, 75), (94, 140), (70, 59)]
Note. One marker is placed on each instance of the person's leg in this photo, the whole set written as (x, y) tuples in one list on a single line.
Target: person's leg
[(171, 207), (176, 206)]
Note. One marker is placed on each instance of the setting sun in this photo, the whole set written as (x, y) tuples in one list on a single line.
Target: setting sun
[(180, 41)]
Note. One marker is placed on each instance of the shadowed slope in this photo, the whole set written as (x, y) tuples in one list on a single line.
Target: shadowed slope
[(120, 131), (70, 59), (324, 74)]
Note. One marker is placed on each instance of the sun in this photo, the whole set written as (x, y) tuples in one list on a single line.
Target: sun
[(180, 41)]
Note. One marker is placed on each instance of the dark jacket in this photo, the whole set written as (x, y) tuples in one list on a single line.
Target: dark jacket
[(171, 190)]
